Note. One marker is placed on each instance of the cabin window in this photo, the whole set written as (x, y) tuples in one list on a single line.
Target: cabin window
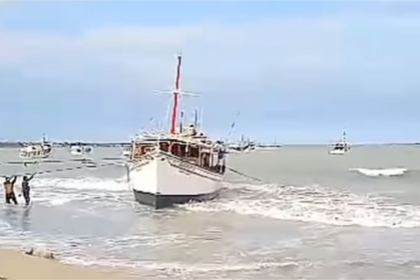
[(179, 150), (139, 150), (146, 149), (175, 149), (193, 152), (182, 150), (164, 146)]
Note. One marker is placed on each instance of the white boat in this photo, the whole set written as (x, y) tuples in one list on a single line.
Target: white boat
[(176, 167), (126, 151), (243, 146), (36, 151), (268, 146), (80, 150), (341, 147)]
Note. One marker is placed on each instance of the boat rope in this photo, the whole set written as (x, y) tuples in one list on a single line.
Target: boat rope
[(245, 175), (89, 165)]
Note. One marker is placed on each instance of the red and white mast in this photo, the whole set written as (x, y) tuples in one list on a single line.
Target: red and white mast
[(176, 96)]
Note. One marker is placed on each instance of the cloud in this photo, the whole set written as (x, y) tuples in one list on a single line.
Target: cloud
[(232, 55), (280, 67), (289, 55), (277, 55)]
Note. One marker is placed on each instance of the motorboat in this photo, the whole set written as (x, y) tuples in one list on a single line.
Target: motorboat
[(243, 146), (41, 150), (126, 151), (80, 150), (341, 147)]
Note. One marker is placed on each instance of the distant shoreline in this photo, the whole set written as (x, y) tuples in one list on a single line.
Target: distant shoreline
[(66, 144), (17, 144)]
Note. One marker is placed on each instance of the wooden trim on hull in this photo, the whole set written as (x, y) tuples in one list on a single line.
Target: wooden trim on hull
[(158, 201)]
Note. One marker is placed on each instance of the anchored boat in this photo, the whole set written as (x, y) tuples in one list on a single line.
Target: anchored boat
[(243, 146), (126, 151), (36, 151), (341, 147), (177, 167), (80, 150)]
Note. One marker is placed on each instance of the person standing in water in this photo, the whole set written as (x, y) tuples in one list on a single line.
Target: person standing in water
[(9, 189), (26, 189)]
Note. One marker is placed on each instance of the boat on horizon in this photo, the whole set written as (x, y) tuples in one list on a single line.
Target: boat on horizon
[(341, 147), (80, 150), (41, 150), (126, 152), (184, 165), (242, 146)]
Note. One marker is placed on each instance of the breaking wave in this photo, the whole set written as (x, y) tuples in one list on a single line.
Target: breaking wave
[(74, 251), (174, 269), (386, 172), (309, 204), (87, 183), (315, 204), (60, 191)]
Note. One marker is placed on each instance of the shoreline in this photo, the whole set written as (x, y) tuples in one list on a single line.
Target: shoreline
[(15, 264)]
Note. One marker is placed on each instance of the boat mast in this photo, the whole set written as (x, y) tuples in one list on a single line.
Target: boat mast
[(175, 96), (196, 118), (181, 122)]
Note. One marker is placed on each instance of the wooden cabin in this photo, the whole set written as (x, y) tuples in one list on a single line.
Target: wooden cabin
[(195, 151)]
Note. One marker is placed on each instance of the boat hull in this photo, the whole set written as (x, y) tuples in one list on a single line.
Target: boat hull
[(79, 152), (337, 152), (28, 153), (158, 201), (24, 156), (163, 181)]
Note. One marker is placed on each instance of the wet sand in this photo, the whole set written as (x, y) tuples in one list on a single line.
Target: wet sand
[(16, 265)]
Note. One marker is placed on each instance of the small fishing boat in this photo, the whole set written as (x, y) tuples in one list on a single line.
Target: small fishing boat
[(341, 147), (243, 146), (41, 150), (126, 151), (80, 150)]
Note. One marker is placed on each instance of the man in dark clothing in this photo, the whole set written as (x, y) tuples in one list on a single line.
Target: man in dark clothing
[(9, 189), (26, 189)]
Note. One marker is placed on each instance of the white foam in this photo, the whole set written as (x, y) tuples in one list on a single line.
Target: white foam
[(59, 191), (60, 201), (144, 239), (316, 204), (177, 268), (88, 183), (387, 172), (78, 255)]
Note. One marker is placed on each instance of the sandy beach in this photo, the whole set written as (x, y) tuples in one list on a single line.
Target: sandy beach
[(15, 264)]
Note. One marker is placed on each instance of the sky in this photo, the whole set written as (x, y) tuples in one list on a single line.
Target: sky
[(293, 71)]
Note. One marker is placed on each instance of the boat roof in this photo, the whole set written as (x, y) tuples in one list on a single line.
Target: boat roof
[(200, 139)]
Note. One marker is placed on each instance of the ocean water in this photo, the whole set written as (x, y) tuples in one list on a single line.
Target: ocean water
[(316, 216)]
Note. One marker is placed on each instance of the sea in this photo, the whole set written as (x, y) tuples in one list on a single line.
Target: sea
[(311, 216)]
